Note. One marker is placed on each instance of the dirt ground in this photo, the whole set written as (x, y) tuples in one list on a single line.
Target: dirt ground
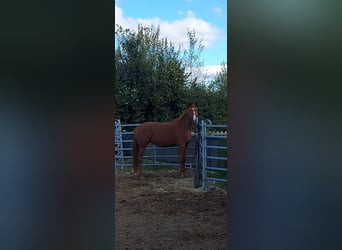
[(163, 211)]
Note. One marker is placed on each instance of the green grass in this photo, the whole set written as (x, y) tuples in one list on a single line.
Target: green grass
[(222, 185), (213, 174), (164, 165), (222, 175), (217, 174), (148, 161)]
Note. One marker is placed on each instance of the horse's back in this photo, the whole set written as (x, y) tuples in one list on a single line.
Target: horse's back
[(148, 128), (143, 130), (158, 133)]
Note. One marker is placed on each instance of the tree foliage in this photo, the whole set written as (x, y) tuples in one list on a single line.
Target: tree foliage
[(149, 82), (192, 61), (154, 82), (218, 91)]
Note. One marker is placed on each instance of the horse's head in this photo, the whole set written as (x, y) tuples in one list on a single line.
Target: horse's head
[(194, 110)]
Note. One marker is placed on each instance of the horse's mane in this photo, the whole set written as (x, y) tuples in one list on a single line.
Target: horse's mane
[(182, 115)]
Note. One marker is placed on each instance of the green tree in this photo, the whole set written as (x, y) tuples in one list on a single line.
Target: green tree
[(217, 90), (195, 82), (192, 60), (151, 83), (220, 82), (149, 76)]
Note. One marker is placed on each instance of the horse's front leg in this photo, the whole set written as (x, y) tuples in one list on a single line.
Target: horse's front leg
[(182, 154), (139, 161)]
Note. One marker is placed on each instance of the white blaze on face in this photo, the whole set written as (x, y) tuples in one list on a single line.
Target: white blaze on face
[(194, 115)]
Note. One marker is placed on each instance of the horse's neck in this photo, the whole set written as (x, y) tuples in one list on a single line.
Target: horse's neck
[(186, 120)]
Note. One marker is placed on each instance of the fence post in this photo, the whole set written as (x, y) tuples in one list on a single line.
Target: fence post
[(198, 179), (118, 146), (203, 155)]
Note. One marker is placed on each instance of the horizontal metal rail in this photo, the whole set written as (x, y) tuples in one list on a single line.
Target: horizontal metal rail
[(217, 136), (217, 147), (217, 158), (151, 164), (216, 126), (217, 169), (217, 179)]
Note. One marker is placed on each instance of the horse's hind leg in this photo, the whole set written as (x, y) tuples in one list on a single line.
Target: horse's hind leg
[(139, 159), (135, 154), (182, 153)]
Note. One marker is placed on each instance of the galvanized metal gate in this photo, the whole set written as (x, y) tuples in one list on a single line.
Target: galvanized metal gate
[(207, 152), (119, 154), (214, 157)]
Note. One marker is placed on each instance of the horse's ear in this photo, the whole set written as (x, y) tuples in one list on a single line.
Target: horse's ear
[(190, 104)]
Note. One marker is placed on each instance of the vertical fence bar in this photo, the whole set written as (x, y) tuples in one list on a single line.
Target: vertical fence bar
[(154, 155), (203, 155)]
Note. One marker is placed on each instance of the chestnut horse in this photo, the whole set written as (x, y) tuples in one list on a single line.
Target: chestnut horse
[(165, 134)]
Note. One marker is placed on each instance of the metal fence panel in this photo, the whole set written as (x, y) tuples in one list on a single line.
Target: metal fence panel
[(213, 151), (159, 156)]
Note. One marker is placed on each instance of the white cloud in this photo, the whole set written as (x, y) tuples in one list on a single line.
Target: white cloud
[(206, 74), (212, 70), (190, 14), (175, 31), (217, 10), (125, 22)]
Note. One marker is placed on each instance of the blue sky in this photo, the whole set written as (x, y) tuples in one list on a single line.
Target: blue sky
[(207, 17)]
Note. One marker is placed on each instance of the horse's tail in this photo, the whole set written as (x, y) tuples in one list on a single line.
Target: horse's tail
[(135, 153)]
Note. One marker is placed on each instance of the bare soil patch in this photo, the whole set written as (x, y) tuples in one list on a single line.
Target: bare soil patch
[(163, 211)]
